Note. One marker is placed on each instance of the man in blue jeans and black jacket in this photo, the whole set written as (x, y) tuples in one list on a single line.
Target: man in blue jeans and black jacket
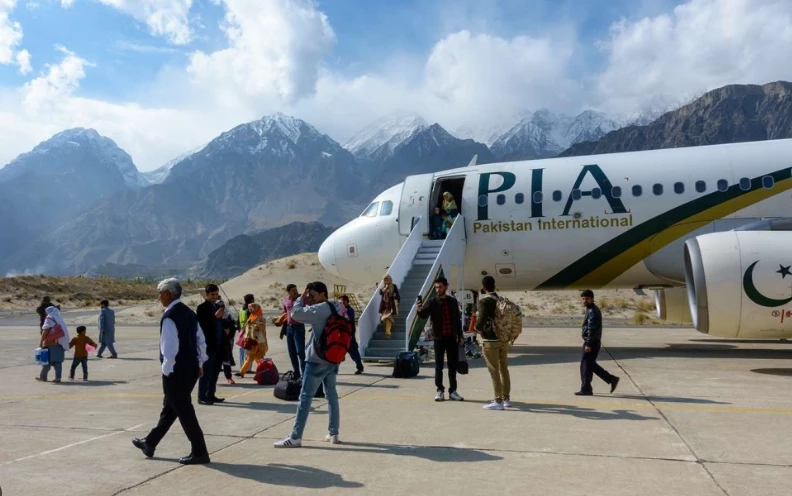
[(317, 371)]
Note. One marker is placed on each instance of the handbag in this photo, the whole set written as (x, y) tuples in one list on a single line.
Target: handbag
[(462, 363), (240, 340), (280, 321), (55, 333), (249, 344)]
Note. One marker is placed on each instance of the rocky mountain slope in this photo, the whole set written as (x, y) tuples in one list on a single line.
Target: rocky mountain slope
[(731, 114), (57, 180), (242, 252)]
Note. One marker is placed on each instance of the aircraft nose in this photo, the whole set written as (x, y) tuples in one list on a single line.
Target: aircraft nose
[(327, 256)]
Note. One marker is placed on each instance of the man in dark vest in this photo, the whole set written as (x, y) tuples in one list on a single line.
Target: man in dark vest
[(182, 354)]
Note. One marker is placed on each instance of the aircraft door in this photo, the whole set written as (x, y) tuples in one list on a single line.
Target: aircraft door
[(415, 202)]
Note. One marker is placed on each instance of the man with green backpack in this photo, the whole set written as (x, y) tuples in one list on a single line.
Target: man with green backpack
[(499, 321)]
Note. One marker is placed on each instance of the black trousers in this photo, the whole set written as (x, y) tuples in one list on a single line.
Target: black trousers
[(446, 347), (207, 385), (589, 367), (354, 353), (178, 404)]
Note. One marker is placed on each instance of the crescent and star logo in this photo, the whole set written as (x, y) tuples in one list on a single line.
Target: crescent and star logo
[(756, 296)]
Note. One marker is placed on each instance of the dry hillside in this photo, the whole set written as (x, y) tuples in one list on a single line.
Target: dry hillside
[(25, 292), (268, 283)]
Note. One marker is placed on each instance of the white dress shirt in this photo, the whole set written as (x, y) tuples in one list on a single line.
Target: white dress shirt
[(169, 343)]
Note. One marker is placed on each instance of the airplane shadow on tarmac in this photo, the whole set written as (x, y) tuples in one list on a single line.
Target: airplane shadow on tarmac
[(285, 475), (430, 453), (779, 372), (547, 355), (576, 411), (90, 383)]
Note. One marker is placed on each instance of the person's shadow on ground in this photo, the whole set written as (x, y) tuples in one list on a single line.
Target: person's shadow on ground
[(285, 475), (431, 453)]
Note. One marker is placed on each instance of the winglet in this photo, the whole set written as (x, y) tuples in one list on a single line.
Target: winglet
[(473, 161)]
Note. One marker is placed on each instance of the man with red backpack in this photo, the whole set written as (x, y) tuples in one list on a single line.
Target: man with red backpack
[(326, 348)]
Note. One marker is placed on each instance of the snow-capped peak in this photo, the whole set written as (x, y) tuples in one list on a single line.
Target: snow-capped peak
[(384, 135), (158, 175), (545, 134), (100, 146), (290, 127)]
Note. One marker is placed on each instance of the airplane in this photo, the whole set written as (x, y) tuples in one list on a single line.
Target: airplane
[(707, 228)]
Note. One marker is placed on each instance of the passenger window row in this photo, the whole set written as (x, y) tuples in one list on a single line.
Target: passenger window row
[(722, 185)]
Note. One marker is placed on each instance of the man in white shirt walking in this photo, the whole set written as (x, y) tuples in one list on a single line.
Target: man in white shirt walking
[(182, 353)]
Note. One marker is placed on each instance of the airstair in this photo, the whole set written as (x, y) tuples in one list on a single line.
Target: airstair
[(419, 262)]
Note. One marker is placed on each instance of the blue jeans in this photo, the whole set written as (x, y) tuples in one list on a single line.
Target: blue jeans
[(315, 375), (79, 361), (242, 355), (295, 336), (106, 346)]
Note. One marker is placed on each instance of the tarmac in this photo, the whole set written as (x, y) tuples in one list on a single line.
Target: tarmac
[(692, 415)]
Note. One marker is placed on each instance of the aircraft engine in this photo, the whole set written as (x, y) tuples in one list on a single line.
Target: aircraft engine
[(672, 305), (737, 283)]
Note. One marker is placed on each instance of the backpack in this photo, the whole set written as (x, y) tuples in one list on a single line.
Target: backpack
[(508, 320), (267, 373), (333, 344), (407, 365)]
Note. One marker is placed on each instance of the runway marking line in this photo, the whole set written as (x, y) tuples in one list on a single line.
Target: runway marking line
[(72, 445)]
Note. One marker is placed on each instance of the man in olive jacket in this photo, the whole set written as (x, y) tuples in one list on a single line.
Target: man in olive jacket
[(496, 352), (443, 311)]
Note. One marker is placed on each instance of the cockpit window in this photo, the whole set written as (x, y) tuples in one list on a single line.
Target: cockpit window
[(371, 210), (387, 208)]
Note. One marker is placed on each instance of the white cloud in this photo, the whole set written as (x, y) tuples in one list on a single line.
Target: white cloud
[(168, 18), (275, 49), (22, 58), (275, 61), (10, 32), (701, 45), (58, 83)]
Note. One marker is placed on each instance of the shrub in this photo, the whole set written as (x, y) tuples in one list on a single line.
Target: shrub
[(640, 318), (645, 305), (292, 264)]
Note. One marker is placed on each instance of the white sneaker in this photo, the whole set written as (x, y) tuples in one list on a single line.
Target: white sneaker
[(289, 443), (507, 403), (455, 397), (494, 406), (332, 439), (439, 396)]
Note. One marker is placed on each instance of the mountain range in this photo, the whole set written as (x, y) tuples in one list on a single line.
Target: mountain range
[(79, 205), (731, 114)]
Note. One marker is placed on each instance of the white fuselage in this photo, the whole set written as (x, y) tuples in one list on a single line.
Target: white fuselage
[(617, 220)]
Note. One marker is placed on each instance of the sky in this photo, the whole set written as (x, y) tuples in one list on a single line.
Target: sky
[(161, 77)]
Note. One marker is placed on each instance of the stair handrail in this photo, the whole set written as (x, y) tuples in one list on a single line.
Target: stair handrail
[(369, 319), (452, 253)]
